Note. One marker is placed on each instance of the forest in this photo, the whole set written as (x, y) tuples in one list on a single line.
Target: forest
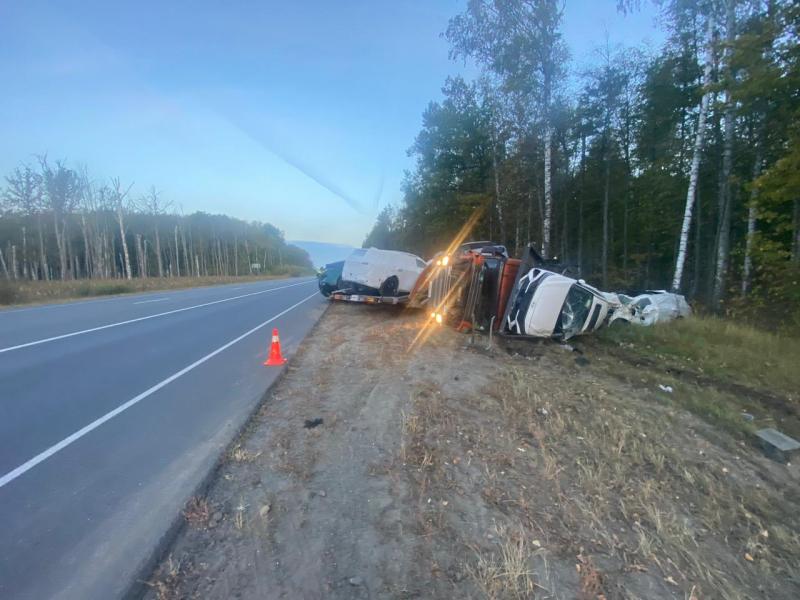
[(57, 223), (664, 168)]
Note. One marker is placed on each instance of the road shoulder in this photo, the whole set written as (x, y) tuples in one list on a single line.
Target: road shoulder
[(459, 471)]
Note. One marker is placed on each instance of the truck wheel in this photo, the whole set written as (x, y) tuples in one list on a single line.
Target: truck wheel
[(390, 286)]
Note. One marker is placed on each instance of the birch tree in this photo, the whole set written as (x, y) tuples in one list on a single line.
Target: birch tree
[(697, 152), (521, 41), (119, 202), (61, 188), (152, 204)]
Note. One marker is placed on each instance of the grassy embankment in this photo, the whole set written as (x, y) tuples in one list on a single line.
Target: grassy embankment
[(718, 368), (519, 471), (35, 292)]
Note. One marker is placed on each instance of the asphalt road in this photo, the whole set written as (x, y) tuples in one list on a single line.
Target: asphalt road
[(112, 411)]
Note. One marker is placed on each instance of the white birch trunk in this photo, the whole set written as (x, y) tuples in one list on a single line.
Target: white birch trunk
[(125, 255), (497, 200), (177, 254), (14, 269), (548, 191), (695, 168), (159, 260), (3, 264), (42, 253)]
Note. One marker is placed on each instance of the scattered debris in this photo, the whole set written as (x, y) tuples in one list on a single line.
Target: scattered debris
[(311, 423)]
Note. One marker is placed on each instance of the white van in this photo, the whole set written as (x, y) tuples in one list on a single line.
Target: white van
[(388, 272)]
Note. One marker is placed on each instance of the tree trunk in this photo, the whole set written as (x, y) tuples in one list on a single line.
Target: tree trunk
[(580, 203), (159, 260), (42, 253), (177, 254), (498, 202), (140, 253), (236, 257), (87, 254), (752, 215), (796, 227), (62, 251), (24, 253), (606, 187), (723, 243), (126, 257), (695, 168), (186, 265), (14, 269), (548, 190), (698, 237), (145, 269), (5, 267)]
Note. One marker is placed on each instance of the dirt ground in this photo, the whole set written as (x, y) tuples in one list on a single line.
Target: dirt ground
[(457, 471)]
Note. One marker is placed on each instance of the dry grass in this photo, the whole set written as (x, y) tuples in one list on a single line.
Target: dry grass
[(596, 472), (165, 584), (507, 572), (33, 292), (197, 512), (240, 455)]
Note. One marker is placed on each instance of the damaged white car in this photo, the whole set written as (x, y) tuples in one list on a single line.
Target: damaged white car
[(547, 304), (650, 308)]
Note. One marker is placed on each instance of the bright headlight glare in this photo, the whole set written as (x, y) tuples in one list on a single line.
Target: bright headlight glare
[(445, 260), (438, 318)]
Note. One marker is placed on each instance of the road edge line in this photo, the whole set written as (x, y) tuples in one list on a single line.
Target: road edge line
[(86, 429), (139, 585), (55, 338)]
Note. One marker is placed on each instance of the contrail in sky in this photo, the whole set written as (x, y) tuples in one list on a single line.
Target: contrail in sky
[(306, 169)]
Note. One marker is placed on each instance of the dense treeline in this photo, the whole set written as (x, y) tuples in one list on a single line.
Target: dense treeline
[(677, 168), (56, 223)]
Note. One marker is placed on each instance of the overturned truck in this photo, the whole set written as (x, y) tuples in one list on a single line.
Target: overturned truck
[(479, 287)]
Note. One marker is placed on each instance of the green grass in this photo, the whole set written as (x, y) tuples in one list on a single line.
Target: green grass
[(719, 348)]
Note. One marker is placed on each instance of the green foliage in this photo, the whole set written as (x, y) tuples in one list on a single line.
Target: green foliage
[(628, 130)]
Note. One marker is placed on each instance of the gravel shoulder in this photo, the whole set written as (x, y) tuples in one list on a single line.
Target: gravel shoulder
[(457, 470)]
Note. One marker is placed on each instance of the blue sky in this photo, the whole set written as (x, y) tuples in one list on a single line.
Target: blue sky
[(253, 109)]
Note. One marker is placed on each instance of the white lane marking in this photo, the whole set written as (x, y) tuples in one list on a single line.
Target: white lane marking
[(157, 300), (169, 312), (42, 456)]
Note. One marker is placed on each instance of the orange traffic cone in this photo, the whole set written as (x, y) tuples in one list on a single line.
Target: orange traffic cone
[(275, 357)]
